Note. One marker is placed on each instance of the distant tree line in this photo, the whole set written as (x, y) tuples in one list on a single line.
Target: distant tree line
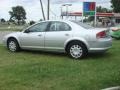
[(103, 10)]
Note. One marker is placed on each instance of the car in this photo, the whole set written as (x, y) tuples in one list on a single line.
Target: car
[(115, 32), (71, 37)]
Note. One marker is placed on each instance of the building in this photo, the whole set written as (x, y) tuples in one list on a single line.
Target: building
[(113, 16)]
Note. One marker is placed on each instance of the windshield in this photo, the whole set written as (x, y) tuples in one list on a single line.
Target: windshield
[(86, 26)]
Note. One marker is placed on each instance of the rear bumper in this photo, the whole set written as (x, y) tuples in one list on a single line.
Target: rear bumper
[(101, 45), (92, 50)]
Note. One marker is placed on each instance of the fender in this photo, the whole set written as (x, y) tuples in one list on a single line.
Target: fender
[(14, 35), (76, 38)]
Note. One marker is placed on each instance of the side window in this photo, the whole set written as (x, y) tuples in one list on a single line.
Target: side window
[(59, 26), (53, 27), (41, 27)]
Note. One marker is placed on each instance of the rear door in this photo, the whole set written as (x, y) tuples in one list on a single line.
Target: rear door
[(56, 35)]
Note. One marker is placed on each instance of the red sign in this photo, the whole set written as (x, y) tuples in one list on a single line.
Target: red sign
[(92, 6)]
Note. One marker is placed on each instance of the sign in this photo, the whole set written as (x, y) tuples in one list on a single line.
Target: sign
[(89, 8)]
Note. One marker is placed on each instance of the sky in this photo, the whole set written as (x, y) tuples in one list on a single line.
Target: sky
[(33, 8)]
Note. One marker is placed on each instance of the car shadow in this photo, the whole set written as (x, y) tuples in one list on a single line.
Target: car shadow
[(97, 56), (45, 53), (93, 56)]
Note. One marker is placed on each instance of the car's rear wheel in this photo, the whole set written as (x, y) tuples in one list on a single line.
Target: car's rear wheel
[(77, 50), (13, 45)]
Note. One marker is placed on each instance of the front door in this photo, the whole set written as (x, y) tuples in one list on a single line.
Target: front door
[(34, 36)]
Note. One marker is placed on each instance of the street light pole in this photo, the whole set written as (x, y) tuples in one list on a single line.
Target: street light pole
[(61, 13), (67, 10), (95, 23)]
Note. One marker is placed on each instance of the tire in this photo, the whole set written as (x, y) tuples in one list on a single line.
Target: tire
[(77, 50), (13, 45)]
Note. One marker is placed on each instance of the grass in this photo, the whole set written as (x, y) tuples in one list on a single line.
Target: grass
[(49, 71), (5, 27)]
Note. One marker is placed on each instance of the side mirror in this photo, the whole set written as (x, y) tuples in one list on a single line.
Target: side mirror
[(27, 31)]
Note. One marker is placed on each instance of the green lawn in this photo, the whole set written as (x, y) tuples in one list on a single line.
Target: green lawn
[(12, 27), (48, 71)]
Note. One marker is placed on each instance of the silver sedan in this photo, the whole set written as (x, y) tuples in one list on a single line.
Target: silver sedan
[(74, 38)]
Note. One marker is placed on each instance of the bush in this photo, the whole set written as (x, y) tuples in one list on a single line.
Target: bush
[(32, 22)]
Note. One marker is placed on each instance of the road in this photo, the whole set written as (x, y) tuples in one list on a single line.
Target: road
[(3, 33)]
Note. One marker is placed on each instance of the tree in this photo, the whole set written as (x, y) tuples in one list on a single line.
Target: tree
[(103, 10), (17, 14), (41, 19), (2, 20), (116, 5), (32, 22)]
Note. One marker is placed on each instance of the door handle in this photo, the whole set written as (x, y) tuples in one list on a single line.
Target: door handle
[(39, 35), (66, 34)]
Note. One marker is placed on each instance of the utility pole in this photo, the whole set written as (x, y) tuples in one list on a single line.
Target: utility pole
[(61, 12), (42, 9), (48, 10), (95, 23)]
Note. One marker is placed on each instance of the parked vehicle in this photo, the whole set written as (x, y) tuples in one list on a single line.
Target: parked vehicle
[(115, 32), (75, 38)]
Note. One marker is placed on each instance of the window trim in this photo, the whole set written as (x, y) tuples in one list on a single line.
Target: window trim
[(35, 25)]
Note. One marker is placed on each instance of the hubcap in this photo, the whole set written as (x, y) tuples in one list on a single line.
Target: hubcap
[(12, 46), (76, 51)]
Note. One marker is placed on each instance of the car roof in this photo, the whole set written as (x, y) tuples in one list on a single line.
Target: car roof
[(55, 20)]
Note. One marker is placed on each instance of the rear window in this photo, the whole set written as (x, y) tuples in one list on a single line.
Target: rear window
[(86, 26)]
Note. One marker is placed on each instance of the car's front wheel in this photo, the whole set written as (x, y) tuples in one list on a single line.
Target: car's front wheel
[(13, 45), (77, 50)]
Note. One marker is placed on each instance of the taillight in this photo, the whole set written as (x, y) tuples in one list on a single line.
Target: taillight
[(101, 34)]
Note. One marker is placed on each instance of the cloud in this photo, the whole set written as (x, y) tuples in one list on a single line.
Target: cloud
[(75, 1), (65, 1), (5, 7), (33, 7)]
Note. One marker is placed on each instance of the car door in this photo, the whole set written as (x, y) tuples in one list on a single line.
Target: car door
[(33, 37), (57, 34)]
